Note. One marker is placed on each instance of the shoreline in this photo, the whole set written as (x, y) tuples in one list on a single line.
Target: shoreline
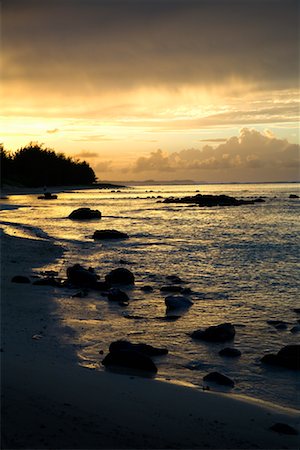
[(44, 390)]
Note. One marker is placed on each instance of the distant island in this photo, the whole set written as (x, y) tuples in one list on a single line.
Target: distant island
[(34, 166)]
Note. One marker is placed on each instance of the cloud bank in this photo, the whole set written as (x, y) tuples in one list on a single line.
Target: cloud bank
[(248, 155)]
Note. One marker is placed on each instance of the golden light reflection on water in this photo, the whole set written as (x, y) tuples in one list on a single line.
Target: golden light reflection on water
[(239, 262)]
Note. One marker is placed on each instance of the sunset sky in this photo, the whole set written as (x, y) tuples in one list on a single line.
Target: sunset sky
[(162, 89)]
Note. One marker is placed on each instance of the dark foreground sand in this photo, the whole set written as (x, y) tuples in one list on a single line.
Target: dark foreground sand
[(48, 401)]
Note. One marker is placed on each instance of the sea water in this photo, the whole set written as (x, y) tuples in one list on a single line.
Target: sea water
[(241, 263)]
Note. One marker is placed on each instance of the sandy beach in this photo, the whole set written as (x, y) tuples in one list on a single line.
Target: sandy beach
[(49, 401)]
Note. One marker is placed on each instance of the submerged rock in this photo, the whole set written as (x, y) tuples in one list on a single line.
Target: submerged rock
[(85, 214), (230, 352), (109, 234), (218, 333), (20, 279), (288, 357), (146, 349), (130, 359), (120, 276), (219, 378), (177, 302), (293, 196)]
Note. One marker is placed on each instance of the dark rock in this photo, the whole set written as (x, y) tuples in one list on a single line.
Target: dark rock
[(230, 352), (109, 234), (102, 286), (80, 294), (79, 276), (48, 281), (295, 329), (293, 196), (120, 276), (130, 359), (278, 324), (174, 279), (147, 288), (297, 310), (219, 333), (146, 349), (124, 261), (283, 428), (212, 200), (219, 378), (85, 214), (288, 357), (169, 318), (186, 291), (47, 196), (20, 279), (116, 295), (177, 302), (171, 288)]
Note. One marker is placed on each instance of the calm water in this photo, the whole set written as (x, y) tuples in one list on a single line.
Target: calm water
[(242, 264)]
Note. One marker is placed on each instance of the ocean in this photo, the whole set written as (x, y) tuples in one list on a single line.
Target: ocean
[(241, 263)]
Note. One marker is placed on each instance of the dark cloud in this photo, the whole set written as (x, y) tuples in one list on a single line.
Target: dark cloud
[(250, 150), (91, 45)]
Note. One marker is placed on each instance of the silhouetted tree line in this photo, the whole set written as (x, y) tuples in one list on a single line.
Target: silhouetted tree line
[(35, 166)]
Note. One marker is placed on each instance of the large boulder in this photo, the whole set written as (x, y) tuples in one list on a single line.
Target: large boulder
[(219, 378), (218, 333), (79, 276), (177, 302), (293, 196), (130, 359), (120, 276), (146, 349), (283, 428), (85, 214), (109, 234), (288, 357)]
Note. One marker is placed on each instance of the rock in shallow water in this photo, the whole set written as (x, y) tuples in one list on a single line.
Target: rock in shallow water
[(219, 378), (120, 276), (230, 352), (218, 333), (177, 302), (85, 214), (116, 295), (109, 234), (79, 276), (146, 349), (288, 357), (130, 359)]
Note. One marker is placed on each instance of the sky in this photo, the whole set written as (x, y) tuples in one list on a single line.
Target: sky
[(206, 90)]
